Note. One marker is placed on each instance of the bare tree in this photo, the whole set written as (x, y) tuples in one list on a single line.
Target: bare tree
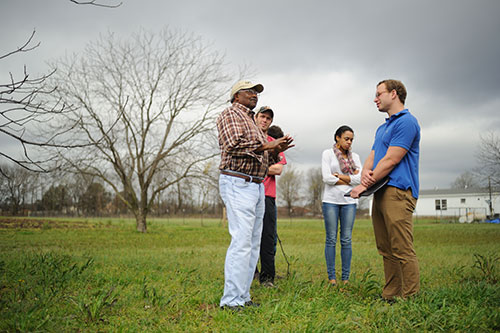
[(466, 180), (141, 107), (489, 158), (289, 186), (15, 188), (21, 106), (315, 190)]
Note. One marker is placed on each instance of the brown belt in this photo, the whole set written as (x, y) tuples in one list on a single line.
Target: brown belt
[(248, 178)]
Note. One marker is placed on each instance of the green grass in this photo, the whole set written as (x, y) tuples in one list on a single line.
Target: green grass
[(102, 275)]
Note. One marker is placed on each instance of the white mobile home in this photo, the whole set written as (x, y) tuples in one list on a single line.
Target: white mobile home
[(462, 205), (466, 205)]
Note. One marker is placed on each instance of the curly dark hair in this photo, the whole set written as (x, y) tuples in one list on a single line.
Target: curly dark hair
[(275, 132)]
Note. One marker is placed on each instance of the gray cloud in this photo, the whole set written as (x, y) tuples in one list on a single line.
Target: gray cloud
[(319, 60)]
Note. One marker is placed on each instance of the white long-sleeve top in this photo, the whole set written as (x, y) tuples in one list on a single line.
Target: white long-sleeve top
[(335, 193)]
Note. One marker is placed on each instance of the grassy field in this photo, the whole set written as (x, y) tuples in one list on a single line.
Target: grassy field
[(101, 275)]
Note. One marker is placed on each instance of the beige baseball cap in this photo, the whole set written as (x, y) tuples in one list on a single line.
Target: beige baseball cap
[(245, 84), (266, 109)]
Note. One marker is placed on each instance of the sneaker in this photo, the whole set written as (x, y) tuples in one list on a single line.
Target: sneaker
[(251, 304), (268, 284), (232, 308), (389, 301)]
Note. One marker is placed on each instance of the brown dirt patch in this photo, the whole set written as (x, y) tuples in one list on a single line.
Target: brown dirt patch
[(20, 223)]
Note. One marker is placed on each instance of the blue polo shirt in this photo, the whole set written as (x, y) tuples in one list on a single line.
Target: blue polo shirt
[(400, 130)]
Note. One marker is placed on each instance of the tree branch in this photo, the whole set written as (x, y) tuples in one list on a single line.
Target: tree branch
[(24, 48), (95, 3)]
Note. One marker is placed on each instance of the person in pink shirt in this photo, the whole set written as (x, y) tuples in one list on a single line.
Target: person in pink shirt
[(264, 119)]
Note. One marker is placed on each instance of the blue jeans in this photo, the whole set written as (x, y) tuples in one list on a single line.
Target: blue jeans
[(332, 213), (244, 203)]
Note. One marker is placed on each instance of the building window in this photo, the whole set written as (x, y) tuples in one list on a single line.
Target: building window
[(441, 204), (462, 201)]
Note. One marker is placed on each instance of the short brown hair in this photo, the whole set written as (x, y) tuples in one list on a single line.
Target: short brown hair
[(275, 132), (395, 85)]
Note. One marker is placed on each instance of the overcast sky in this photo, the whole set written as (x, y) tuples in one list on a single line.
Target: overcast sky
[(319, 62)]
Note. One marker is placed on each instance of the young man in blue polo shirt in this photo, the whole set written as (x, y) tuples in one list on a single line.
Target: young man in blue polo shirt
[(395, 153)]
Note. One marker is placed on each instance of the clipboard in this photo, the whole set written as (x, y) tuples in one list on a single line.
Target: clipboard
[(372, 189)]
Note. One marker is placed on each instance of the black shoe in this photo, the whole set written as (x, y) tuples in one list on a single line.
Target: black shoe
[(389, 301), (252, 304), (268, 284), (232, 308)]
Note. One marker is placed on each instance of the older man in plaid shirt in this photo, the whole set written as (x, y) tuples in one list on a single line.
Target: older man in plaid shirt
[(245, 157)]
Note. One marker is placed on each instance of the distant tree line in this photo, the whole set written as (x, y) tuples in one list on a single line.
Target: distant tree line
[(27, 193)]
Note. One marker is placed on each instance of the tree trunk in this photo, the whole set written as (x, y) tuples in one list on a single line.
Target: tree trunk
[(141, 222)]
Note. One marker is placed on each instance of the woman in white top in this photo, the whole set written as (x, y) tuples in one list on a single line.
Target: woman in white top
[(341, 171)]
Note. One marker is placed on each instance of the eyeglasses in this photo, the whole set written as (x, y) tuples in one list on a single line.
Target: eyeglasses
[(250, 91), (380, 93)]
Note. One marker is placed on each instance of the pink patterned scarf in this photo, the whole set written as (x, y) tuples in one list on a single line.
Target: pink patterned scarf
[(347, 166)]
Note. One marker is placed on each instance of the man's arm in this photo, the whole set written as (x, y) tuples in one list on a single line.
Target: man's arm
[(366, 174), (393, 156), (275, 169), (277, 146)]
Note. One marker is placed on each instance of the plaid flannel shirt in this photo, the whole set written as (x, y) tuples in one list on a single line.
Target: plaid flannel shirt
[(239, 137)]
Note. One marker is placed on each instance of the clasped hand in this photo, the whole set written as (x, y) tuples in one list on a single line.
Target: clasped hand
[(281, 144), (367, 179)]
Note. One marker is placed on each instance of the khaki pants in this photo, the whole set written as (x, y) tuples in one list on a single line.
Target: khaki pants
[(392, 211)]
